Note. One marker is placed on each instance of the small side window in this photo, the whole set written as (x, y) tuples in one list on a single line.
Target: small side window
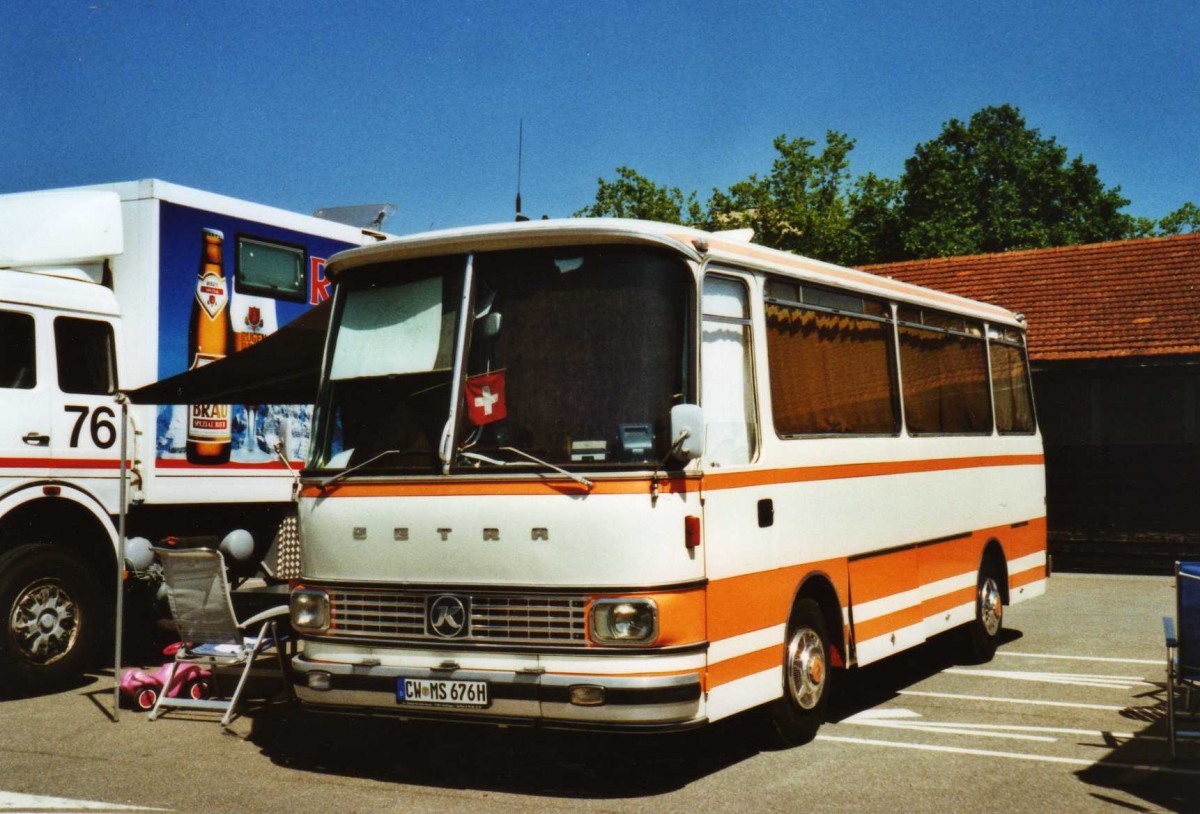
[(270, 269), (18, 362), (86, 356)]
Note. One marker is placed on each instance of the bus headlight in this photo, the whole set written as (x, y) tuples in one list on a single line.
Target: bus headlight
[(625, 621), (310, 610)]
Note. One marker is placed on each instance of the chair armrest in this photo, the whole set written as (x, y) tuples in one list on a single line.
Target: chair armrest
[(1169, 632), (269, 613)]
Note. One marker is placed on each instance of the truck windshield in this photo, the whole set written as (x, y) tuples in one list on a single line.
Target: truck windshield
[(574, 357)]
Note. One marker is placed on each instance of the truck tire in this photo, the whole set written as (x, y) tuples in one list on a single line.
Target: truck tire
[(50, 618)]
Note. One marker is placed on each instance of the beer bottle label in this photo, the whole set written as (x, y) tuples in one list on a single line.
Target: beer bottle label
[(209, 423), (212, 293)]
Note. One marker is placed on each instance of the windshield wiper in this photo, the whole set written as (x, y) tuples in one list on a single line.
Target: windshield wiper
[(530, 460), (347, 472)]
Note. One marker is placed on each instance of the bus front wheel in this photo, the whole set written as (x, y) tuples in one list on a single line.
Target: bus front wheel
[(796, 716)]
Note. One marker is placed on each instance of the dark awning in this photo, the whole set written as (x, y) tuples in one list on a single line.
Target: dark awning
[(284, 368)]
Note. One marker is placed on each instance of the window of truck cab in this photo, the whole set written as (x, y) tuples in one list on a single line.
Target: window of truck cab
[(583, 350)]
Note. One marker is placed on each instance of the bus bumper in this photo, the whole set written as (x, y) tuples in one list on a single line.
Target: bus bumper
[(524, 697)]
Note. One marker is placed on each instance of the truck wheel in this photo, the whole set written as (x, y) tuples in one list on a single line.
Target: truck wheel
[(50, 621), (796, 716)]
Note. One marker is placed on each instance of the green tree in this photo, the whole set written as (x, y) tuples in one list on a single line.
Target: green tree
[(632, 195), (801, 206), (874, 220), (1184, 219), (995, 184)]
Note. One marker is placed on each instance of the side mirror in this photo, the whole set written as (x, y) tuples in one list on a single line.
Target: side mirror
[(687, 432)]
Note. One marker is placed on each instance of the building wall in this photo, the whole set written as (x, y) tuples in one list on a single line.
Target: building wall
[(1122, 457)]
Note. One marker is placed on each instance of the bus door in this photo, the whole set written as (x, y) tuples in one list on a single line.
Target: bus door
[(736, 545)]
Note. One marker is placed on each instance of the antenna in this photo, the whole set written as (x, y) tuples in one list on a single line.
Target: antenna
[(520, 150)]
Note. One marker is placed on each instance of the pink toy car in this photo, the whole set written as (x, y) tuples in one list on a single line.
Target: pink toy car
[(143, 688)]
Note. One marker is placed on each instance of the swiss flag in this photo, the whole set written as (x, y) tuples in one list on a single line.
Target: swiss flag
[(485, 398)]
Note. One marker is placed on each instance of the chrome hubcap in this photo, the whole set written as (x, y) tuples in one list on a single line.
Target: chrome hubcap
[(806, 667), (44, 622), (991, 607)]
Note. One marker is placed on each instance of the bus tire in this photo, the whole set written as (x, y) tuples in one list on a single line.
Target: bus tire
[(50, 618), (983, 633), (796, 716)]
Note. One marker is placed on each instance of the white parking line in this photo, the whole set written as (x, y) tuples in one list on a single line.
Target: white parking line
[(1161, 662), (1108, 682), (1071, 761), (899, 718), (1002, 700), (11, 801)]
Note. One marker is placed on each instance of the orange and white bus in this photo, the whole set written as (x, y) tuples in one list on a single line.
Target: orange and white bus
[(624, 475)]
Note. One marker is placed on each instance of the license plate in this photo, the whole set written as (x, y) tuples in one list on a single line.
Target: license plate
[(441, 692)]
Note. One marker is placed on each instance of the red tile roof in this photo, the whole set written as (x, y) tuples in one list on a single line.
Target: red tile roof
[(1103, 300)]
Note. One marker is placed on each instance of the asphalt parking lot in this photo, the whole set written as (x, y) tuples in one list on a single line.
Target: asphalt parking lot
[(1067, 717)]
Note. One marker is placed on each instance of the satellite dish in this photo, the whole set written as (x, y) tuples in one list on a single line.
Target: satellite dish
[(363, 216)]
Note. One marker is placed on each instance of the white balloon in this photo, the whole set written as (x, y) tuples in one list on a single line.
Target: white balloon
[(238, 545), (138, 553)]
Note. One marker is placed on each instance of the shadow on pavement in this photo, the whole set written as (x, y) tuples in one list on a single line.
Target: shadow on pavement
[(868, 687), (555, 763), (1142, 766), (487, 758)]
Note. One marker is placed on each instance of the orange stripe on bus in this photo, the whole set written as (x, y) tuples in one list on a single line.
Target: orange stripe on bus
[(732, 669), (1026, 577), (749, 602), (675, 485), (945, 602), (735, 480), (888, 623), (452, 487), (881, 576)]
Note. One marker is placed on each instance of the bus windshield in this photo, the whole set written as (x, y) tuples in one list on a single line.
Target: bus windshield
[(573, 357)]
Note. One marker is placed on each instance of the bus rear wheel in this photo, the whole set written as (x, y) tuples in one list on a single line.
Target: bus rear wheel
[(807, 676), (983, 633)]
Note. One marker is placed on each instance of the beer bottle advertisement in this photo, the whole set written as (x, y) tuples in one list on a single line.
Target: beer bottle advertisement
[(205, 312), (209, 429)]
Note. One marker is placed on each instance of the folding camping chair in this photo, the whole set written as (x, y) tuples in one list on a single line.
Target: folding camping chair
[(1183, 653), (198, 593)]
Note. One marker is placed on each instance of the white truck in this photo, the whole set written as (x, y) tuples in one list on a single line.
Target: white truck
[(104, 289)]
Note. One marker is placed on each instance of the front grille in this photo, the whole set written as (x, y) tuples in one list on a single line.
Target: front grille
[(514, 618)]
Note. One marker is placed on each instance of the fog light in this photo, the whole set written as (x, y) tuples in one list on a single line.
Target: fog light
[(587, 695), (319, 680)]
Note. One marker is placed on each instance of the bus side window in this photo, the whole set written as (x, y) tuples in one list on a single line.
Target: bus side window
[(1010, 382), (727, 382), (944, 370)]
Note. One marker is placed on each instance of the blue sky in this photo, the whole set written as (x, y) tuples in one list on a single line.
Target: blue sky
[(303, 104)]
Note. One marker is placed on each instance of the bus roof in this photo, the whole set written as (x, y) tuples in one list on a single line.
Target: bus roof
[(733, 248)]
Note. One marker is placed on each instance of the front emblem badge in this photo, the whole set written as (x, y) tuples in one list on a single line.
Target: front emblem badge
[(447, 616)]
